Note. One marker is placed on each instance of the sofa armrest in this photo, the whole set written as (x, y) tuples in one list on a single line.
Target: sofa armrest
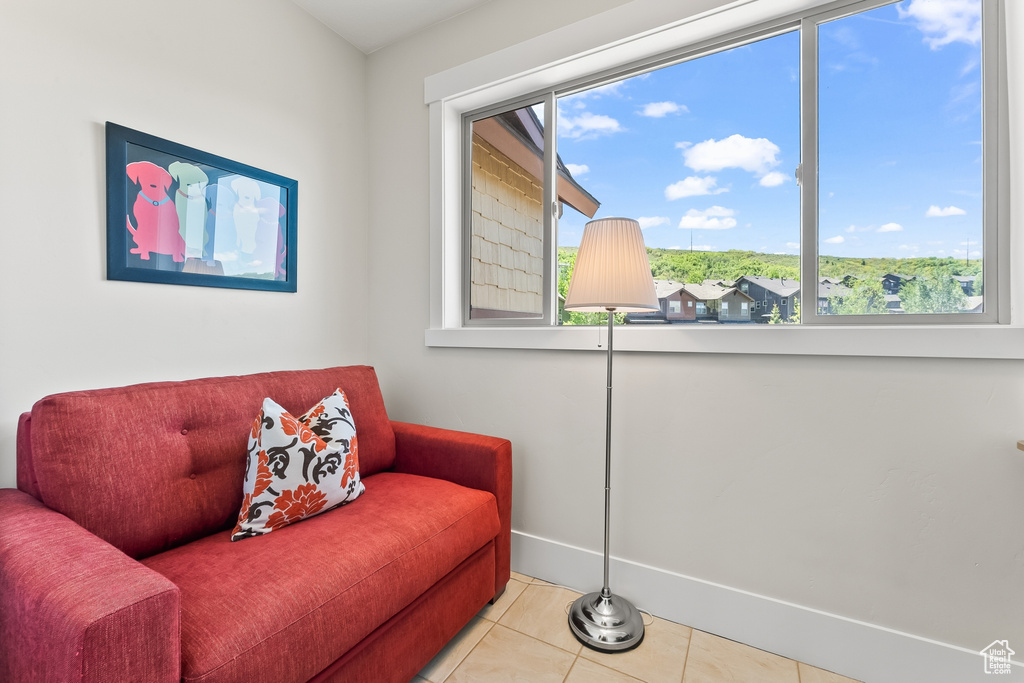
[(75, 608), (471, 460)]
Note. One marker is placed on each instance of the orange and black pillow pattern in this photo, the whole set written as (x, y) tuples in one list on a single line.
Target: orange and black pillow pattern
[(298, 467)]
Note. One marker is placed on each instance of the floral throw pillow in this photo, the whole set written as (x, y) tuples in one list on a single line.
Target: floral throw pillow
[(298, 467)]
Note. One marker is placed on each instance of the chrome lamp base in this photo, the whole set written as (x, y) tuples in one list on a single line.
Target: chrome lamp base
[(606, 622)]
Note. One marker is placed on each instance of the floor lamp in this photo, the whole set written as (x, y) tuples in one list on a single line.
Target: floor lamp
[(611, 274)]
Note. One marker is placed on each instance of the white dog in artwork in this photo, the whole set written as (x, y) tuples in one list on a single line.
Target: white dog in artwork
[(246, 215), (190, 202)]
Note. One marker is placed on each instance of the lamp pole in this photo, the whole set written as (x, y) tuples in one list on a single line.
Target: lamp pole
[(605, 590)]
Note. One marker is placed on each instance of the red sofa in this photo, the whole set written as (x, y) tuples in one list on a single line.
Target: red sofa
[(116, 563)]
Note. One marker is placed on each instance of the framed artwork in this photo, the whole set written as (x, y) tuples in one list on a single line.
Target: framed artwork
[(176, 215)]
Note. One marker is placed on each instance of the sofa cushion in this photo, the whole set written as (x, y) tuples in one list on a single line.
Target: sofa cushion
[(298, 467), (151, 466), (316, 589)]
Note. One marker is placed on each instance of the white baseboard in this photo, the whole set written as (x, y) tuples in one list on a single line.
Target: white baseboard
[(862, 651)]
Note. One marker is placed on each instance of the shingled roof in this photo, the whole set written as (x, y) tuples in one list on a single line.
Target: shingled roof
[(666, 288), (708, 292), (781, 286)]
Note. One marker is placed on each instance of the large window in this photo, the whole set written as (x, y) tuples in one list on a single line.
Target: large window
[(850, 151)]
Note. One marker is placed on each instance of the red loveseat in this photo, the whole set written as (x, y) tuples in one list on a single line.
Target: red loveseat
[(116, 563)]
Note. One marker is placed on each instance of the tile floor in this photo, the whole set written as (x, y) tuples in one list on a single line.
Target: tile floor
[(525, 637)]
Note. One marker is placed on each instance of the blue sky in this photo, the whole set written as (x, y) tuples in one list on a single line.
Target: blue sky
[(709, 147)]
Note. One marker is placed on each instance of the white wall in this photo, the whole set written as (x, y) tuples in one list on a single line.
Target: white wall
[(256, 81), (891, 492)]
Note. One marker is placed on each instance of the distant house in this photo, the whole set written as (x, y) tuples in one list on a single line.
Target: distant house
[(966, 283), (891, 282), (849, 281), (767, 293), (719, 304), (677, 305), (830, 289), (893, 304)]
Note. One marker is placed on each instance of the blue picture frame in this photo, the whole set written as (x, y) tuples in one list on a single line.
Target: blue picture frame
[(177, 215)]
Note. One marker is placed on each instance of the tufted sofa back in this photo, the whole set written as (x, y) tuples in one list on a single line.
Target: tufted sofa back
[(153, 466)]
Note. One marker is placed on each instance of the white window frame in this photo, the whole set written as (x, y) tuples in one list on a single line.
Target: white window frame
[(996, 236), (550, 286), (605, 46)]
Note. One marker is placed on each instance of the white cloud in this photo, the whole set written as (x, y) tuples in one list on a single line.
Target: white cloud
[(703, 247), (651, 221), (891, 227), (577, 169), (587, 126), (713, 218), (936, 212), (757, 155), (838, 239), (693, 186), (658, 110), (774, 179), (945, 21), (910, 247), (227, 257), (792, 245)]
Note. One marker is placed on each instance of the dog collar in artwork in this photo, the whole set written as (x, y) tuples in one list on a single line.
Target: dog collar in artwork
[(153, 201)]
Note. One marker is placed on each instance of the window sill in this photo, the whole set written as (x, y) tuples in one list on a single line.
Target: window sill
[(975, 341)]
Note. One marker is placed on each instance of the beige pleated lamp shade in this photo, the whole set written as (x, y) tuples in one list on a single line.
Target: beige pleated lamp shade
[(612, 270)]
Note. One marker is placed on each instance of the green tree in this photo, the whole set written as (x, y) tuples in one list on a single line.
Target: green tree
[(866, 298), (795, 318), (776, 316), (938, 294)]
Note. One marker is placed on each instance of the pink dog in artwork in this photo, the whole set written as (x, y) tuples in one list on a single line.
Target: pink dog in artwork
[(155, 213)]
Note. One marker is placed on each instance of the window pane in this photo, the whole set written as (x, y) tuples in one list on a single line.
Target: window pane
[(507, 225), (702, 153), (900, 167)]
